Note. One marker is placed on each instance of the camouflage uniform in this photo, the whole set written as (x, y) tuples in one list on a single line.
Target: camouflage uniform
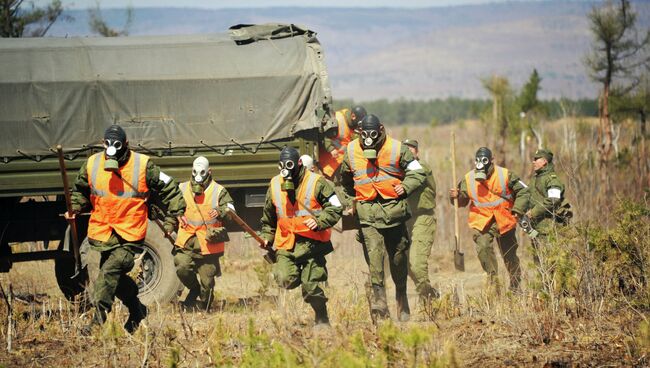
[(305, 264), (545, 212), (117, 254), (383, 233), (507, 242), (548, 207), (423, 232), (189, 262)]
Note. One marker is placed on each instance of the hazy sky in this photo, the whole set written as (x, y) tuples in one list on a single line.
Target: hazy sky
[(215, 4)]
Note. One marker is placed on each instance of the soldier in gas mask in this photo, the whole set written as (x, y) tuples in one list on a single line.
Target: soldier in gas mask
[(379, 172), (115, 185), (497, 198), (338, 137), (300, 209), (202, 236)]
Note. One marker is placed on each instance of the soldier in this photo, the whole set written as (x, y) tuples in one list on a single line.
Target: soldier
[(422, 227), (201, 239), (331, 153), (547, 206), (379, 172), (496, 198), (116, 185), (299, 211)]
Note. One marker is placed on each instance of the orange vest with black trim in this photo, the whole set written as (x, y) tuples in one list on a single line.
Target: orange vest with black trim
[(198, 218), (490, 198), (327, 162), (372, 177), (119, 198), (291, 216)]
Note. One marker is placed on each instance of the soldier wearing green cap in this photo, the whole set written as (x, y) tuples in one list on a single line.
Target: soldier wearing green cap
[(548, 205), (422, 227)]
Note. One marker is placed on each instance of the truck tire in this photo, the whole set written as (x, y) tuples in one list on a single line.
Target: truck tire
[(157, 280)]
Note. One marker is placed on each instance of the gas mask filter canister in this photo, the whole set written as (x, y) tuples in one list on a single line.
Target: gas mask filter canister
[(369, 139)]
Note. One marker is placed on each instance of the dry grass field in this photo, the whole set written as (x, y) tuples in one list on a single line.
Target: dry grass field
[(591, 309)]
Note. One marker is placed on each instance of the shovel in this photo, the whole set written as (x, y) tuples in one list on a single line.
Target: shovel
[(459, 256)]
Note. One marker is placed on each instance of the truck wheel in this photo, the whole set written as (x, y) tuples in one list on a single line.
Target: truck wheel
[(156, 273)]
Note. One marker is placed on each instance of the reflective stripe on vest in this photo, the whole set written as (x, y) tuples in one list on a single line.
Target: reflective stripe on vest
[(198, 220), (502, 182), (490, 199), (291, 217), (118, 198), (370, 179)]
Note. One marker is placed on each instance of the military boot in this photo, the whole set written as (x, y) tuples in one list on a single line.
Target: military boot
[(99, 317), (320, 312), (403, 310), (137, 313), (428, 293), (190, 299), (205, 301), (378, 304)]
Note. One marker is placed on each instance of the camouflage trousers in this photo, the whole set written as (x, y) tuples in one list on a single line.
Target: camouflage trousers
[(304, 266), (381, 243), (113, 280), (190, 262), (423, 233), (507, 246)]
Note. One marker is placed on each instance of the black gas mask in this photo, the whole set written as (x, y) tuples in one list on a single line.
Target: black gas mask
[(289, 168), (356, 115), (116, 147), (372, 136), (201, 175), (482, 163)]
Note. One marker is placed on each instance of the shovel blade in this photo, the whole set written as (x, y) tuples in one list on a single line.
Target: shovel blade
[(459, 260)]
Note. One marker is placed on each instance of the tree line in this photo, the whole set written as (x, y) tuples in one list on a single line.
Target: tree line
[(452, 109)]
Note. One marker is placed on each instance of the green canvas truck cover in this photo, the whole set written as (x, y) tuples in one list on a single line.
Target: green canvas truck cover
[(252, 84)]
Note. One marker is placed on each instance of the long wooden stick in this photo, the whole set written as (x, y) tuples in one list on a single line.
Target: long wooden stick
[(270, 252), (68, 204), (455, 182)]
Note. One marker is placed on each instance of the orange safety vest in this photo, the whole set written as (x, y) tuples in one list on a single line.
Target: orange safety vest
[(291, 216), (489, 198), (328, 163), (119, 199), (198, 219), (371, 178)]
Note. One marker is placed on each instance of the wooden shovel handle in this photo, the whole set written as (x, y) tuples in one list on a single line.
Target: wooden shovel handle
[(455, 182)]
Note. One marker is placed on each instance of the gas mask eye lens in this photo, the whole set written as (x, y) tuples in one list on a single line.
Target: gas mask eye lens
[(364, 134), (202, 173), (194, 172), (117, 145), (289, 165), (374, 134), (485, 160)]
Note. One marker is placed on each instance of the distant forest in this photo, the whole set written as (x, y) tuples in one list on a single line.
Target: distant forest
[(451, 109)]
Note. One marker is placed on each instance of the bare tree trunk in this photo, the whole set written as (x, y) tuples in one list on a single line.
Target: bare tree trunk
[(604, 140)]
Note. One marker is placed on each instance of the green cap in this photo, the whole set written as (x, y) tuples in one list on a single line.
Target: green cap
[(548, 155), (411, 143)]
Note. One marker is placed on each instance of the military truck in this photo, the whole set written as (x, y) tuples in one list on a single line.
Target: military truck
[(236, 98)]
